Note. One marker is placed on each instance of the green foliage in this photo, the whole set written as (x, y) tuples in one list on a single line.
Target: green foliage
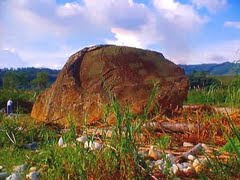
[(228, 95), (164, 142), (22, 100), (22, 77), (13, 80), (202, 80), (41, 80)]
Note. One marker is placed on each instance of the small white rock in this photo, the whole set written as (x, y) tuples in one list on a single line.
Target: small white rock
[(159, 162), (32, 169), (14, 176), (174, 169), (185, 165), (171, 158), (1, 168), (206, 148), (32, 176), (198, 162), (180, 167), (82, 139), (185, 170), (187, 144), (191, 157), (60, 142), (92, 145), (20, 168)]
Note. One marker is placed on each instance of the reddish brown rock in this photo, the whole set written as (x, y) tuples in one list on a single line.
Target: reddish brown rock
[(81, 89)]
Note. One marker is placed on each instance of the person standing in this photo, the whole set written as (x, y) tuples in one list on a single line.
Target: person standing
[(9, 107)]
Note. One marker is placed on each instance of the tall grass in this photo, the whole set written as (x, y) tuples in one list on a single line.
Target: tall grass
[(217, 95)]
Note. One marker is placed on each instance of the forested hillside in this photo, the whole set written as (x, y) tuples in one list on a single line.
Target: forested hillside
[(26, 78), (226, 68)]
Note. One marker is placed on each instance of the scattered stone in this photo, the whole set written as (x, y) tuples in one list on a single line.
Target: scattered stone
[(82, 139), (187, 144), (32, 176), (171, 158), (65, 145), (191, 157), (180, 167), (21, 168), (159, 162), (33, 169), (206, 148), (187, 170), (185, 165), (60, 142), (154, 154), (174, 169), (14, 176), (92, 145), (199, 164), (196, 149), (31, 146), (3, 175)]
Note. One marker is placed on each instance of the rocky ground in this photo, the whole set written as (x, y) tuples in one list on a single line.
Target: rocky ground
[(180, 147)]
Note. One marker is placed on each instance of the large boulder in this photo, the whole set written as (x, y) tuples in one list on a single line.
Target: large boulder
[(82, 87)]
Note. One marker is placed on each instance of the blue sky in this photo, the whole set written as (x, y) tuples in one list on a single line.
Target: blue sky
[(44, 33)]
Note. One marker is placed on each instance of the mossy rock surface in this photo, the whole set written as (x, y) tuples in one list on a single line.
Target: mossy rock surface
[(82, 88)]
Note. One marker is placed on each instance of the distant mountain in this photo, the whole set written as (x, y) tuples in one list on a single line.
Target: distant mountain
[(226, 68)]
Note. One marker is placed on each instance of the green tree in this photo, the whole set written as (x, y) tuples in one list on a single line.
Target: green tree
[(41, 81), (15, 80), (202, 80)]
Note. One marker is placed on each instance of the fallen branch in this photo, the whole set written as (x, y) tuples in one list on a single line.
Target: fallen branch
[(173, 127), (196, 149)]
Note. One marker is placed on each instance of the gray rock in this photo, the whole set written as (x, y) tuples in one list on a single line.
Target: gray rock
[(180, 167), (31, 146), (14, 176), (174, 169), (187, 144), (171, 158), (185, 165), (82, 139), (92, 145), (191, 157), (3, 175), (32, 176), (21, 168)]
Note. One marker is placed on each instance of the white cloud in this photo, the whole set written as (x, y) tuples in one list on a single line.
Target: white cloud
[(70, 9), (212, 5), (216, 53), (182, 15), (45, 33), (234, 24), (9, 58)]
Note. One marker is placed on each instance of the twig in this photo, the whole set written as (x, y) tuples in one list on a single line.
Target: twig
[(13, 141), (155, 178)]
